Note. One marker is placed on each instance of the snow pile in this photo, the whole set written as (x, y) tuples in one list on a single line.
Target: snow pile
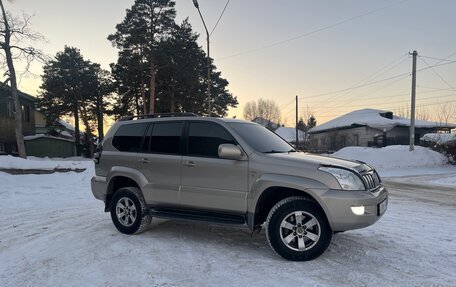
[(377, 119), (439, 138), (394, 157), (11, 162)]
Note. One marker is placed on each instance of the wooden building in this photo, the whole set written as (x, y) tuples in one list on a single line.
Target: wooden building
[(7, 134)]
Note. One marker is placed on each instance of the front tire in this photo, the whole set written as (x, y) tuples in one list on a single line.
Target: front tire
[(129, 211), (297, 229)]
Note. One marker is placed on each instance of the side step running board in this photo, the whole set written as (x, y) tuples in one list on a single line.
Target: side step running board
[(198, 216)]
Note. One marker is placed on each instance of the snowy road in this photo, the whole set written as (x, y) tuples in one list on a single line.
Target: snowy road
[(54, 233)]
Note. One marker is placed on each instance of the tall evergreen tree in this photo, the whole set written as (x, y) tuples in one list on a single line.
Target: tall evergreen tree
[(75, 87), (137, 37), (180, 70)]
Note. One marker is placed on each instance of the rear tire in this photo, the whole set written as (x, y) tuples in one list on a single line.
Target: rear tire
[(129, 212), (297, 229)]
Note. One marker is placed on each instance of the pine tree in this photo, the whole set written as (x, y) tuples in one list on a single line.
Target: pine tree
[(137, 37)]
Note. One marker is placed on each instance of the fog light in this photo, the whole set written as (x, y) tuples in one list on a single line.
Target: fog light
[(358, 210)]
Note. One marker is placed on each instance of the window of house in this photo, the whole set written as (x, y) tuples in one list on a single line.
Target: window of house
[(356, 140), (2, 148), (204, 139), (129, 137), (25, 114), (164, 137), (10, 109)]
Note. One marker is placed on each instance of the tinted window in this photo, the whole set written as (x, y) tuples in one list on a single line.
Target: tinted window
[(165, 137), (261, 139), (205, 138), (129, 137)]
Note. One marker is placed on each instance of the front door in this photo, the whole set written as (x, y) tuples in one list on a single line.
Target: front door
[(210, 182)]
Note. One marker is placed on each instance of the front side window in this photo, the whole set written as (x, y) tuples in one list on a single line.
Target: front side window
[(204, 139), (261, 139), (129, 137), (165, 137)]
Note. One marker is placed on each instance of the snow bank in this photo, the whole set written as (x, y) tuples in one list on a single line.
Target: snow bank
[(11, 162), (394, 157), (439, 138)]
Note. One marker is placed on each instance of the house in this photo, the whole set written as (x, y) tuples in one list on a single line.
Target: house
[(7, 132), (59, 128), (56, 140), (369, 127)]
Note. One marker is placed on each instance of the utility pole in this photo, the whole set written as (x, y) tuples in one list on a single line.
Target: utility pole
[(412, 112), (195, 3), (296, 122)]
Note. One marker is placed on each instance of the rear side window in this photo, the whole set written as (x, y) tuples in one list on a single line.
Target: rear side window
[(205, 138), (165, 137), (129, 137)]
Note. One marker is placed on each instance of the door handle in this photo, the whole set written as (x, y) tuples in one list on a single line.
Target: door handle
[(189, 164), (144, 160)]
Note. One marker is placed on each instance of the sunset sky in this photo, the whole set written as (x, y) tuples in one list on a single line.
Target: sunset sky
[(279, 49)]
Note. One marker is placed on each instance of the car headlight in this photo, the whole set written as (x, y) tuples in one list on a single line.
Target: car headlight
[(348, 180)]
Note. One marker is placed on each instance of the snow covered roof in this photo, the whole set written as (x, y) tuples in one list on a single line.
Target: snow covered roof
[(65, 124), (38, 136), (289, 134), (378, 119)]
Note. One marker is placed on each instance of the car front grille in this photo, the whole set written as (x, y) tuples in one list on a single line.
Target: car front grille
[(371, 180)]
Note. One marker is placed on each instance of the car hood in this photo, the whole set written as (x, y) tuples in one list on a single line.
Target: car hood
[(314, 160)]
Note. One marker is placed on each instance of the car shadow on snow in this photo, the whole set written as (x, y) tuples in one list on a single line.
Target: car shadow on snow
[(239, 240)]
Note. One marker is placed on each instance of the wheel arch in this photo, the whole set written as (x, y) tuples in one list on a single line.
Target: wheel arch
[(270, 197), (123, 177)]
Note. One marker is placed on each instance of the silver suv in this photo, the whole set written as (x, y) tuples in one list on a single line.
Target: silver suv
[(233, 172)]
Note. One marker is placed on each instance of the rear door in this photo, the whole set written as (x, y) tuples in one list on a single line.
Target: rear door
[(161, 164), (207, 181)]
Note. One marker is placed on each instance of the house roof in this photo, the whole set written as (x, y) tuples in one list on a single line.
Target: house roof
[(6, 91), (378, 119), (289, 134)]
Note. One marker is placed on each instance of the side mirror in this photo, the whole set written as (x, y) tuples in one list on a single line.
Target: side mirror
[(230, 151)]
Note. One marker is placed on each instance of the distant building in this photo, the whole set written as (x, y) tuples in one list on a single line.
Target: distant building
[(369, 127), (7, 132), (51, 140)]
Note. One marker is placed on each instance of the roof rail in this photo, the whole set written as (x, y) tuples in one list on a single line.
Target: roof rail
[(161, 115)]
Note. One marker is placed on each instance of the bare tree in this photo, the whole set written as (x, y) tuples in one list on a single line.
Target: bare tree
[(420, 113), (445, 112), (266, 109), (14, 33)]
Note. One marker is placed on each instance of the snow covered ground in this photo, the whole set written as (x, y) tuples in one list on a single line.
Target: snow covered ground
[(54, 233), (11, 162), (398, 161)]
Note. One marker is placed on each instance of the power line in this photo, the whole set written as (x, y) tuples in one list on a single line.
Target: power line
[(388, 108), (220, 17), (311, 32), (438, 75), (373, 76), (286, 105), (379, 81), (395, 102)]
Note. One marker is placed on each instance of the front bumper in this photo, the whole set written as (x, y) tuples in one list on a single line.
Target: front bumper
[(99, 187), (338, 205)]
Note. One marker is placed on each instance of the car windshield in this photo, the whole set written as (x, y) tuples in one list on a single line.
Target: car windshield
[(262, 139)]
